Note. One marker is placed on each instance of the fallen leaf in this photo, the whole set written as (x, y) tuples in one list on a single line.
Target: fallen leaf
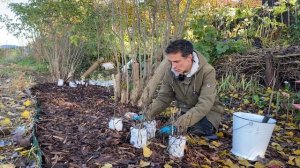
[(290, 133), (269, 90), (216, 144), (220, 134), (291, 160), (167, 166), (202, 142), (144, 164), (244, 162), (297, 152), (205, 166), (260, 112), (258, 165), (27, 103), (5, 122), (25, 114), (107, 165), (297, 160), (7, 165), (146, 151), (274, 163), (229, 163)]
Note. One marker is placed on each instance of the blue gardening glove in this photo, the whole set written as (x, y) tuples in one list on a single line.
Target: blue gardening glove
[(167, 129), (138, 117)]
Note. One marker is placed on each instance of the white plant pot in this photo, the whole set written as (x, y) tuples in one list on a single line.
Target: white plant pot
[(72, 84), (138, 137), (60, 82), (151, 128), (78, 82), (116, 124), (176, 146)]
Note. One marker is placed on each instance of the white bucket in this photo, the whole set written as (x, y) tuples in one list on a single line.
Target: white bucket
[(60, 82), (250, 136), (116, 124), (176, 146), (151, 128), (138, 137)]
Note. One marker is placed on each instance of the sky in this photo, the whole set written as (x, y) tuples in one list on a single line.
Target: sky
[(5, 37)]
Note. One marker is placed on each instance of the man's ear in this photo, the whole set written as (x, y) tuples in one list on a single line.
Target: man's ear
[(190, 57)]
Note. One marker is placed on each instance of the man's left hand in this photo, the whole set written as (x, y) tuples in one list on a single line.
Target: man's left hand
[(167, 129)]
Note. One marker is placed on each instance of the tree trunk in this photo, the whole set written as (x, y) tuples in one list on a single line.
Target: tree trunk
[(136, 83), (153, 82), (92, 68), (269, 69)]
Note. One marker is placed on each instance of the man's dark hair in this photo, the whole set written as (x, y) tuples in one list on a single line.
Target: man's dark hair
[(183, 46)]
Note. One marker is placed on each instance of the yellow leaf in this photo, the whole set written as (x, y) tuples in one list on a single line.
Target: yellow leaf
[(277, 146), (220, 134), (5, 122), (297, 160), (205, 166), (297, 152), (167, 166), (146, 151), (269, 90), (27, 103), (229, 163), (144, 164), (236, 95), (202, 142), (291, 160), (25, 153), (258, 165), (289, 133), (244, 162), (7, 165), (216, 144), (260, 112), (107, 165), (25, 114)]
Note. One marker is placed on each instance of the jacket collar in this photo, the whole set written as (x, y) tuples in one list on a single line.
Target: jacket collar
[(195, 66)]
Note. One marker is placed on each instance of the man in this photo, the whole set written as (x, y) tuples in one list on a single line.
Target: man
[(191, 81)]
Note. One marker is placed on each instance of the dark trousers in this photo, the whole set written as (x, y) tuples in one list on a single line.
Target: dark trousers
[(202, 128)]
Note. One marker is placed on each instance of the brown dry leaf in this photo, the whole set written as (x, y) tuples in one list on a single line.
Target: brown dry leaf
[(216, 144), (275, 163), (146, 151), (297, 152), (144, 164), (167, 166), (258, 165)]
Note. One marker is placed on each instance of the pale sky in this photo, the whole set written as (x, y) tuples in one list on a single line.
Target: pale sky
[(6, 37)]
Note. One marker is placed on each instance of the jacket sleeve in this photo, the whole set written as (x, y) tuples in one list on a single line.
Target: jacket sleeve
[(165, 97), (205, 102)]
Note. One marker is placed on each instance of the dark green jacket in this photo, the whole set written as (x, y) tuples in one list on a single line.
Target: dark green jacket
[(203, 103)]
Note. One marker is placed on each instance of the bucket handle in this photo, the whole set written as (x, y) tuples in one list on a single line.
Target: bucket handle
[(250, 123)]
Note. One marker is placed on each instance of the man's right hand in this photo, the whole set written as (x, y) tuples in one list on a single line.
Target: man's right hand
[(138, 117)]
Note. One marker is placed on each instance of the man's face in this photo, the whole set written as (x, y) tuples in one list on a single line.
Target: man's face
[(179, 63)]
